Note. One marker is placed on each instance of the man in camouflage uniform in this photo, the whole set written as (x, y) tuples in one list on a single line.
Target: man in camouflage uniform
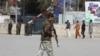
[(47, 33), (18, 28), (10, 25)]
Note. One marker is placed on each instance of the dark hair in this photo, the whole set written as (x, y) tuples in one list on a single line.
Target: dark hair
[(50, 15), (90, 21), (83, 21), (67, 20), (77, 21)]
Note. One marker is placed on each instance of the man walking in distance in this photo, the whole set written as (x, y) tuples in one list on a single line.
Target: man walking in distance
[(18, 28), (47, 33), (68, 28), (77, 29), (90, 28), (83, 29), (10, 28)]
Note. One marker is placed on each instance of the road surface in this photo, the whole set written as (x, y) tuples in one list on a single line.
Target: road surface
[(20, 45)]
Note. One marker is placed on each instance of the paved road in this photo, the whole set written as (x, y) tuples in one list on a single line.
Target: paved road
[(12, 45)]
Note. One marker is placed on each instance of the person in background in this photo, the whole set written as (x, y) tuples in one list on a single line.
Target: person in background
[(83, 29), (30, 28), (10, 28), (68, 28), (77, 29), (90, 28), (26, 28), (18, 28)]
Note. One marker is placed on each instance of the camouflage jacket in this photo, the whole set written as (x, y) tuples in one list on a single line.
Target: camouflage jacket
[(46, 32)]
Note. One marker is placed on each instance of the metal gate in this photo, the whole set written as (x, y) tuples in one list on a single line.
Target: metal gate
[(38, 25)]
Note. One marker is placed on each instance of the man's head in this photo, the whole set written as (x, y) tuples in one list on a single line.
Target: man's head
[(77, 21), (67, 20), (83, 21), (90, 21), (10, 21), (50, 16)]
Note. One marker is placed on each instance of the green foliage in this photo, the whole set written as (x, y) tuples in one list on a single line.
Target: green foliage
[(44, 4), (35, 6), (32, 7)]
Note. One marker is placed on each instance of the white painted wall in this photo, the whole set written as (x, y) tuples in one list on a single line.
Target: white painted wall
[(72, 16), (3, 17)]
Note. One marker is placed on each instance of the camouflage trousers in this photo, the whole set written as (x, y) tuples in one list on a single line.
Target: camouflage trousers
[(45, 46)]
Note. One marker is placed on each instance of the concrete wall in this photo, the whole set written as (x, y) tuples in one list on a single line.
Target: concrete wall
[(72, 16), (4, 28), (3, 18), (60, 28)]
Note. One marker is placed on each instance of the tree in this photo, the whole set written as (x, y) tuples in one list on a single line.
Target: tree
[(31, 7), (82, 5), (2, 3), (35, 6), (44, 4)]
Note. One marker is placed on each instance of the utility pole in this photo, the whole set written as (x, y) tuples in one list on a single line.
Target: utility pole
[(77, 5), (63, 11), (70, 3), (16, 14)]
